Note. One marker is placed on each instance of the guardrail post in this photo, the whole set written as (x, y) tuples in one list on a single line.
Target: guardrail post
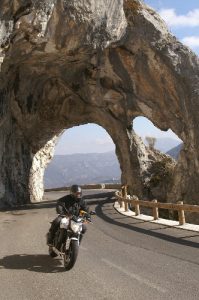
[(121, 192), (126, 206), (155, 211), (181, 215), (125, 196), (125, 191), (122, 195), (137, 209), (120, 202)]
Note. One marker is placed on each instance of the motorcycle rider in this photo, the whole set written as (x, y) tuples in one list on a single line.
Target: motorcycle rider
[(70, 204)]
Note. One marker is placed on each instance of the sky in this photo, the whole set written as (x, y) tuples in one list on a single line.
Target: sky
[(182, 19)]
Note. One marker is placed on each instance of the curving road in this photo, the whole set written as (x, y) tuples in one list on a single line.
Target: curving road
[(120, 257)]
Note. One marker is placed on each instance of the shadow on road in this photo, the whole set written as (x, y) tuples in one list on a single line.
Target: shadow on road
[(35, 263), (90, 199), (14, 210), (150, 232)]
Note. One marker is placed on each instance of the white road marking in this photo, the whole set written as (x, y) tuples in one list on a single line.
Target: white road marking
[(134, 276)]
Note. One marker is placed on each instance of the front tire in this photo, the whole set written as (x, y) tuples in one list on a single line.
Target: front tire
[(51, 252), (70, 255)]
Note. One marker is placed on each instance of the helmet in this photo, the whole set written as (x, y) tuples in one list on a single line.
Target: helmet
[(76, 191)]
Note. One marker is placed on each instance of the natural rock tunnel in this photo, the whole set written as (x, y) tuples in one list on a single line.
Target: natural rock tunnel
[(66, 63)]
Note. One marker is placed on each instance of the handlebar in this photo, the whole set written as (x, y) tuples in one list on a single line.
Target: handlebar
[(83, 214)]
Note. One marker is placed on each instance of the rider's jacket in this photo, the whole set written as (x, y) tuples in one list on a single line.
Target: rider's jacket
[(70, 205)]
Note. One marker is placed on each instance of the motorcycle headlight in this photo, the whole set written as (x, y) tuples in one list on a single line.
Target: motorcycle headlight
[(76, 227), (64, 223)]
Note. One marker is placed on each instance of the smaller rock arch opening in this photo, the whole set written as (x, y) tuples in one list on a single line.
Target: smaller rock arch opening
[(160, 164), (84, 154), (164, 141)]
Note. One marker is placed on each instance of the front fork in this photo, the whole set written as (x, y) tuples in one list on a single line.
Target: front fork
[(72, 237), (62, 238)]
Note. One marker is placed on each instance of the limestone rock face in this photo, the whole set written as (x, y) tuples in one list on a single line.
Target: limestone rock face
[(66, 63)]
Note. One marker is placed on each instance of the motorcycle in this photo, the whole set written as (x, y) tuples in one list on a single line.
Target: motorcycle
[(68, 237)]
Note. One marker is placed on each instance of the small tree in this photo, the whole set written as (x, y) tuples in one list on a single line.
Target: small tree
[(151, 141)]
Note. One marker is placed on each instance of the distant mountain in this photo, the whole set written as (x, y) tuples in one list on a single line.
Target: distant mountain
[(89, 168), (65, 170), (174, 152), (165, 144)]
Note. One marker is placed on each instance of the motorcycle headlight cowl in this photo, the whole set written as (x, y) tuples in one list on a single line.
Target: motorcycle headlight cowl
[(64, 223), (76, 227)]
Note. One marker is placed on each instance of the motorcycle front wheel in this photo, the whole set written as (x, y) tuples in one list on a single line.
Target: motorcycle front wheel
[(70, 255), (51, 252)]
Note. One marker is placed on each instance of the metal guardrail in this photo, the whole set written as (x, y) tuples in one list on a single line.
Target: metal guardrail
[(89, 186), (126, 200)]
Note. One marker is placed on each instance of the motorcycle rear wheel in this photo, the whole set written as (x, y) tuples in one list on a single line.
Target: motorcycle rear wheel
[(70, 255)]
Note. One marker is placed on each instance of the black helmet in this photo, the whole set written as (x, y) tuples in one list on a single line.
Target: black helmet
[(76, 191)]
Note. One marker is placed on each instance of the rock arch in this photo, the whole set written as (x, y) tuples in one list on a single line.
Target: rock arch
[(105, 62), (126, 147)]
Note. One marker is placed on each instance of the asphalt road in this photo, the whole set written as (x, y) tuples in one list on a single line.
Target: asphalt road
[(119, 258)]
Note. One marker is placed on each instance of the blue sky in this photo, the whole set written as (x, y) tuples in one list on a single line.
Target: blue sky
[(182, 18)]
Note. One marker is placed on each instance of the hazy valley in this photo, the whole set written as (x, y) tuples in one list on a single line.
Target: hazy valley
[(82, 168)]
